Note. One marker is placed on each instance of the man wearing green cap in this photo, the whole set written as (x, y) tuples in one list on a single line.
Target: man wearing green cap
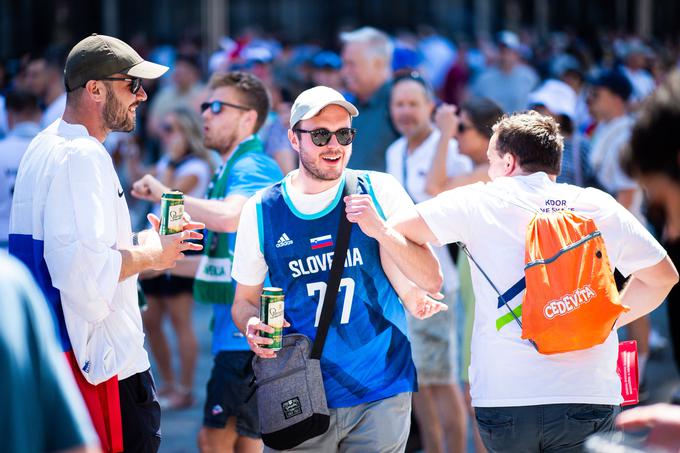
[(71, 226)]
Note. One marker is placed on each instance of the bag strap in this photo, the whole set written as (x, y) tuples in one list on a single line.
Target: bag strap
[(333, 285), (503, 299)]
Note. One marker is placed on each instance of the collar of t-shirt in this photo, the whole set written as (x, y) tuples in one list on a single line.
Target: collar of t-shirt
[(379, 98), (310, 204), (66, 129), (534, 182)]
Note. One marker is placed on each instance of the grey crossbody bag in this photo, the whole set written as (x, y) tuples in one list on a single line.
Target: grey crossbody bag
[(291, 399)]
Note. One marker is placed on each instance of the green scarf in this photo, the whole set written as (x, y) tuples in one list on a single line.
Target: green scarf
[(213, 283)]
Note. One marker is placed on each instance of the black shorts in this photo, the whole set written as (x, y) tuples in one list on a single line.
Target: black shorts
[(227, 391), (140, 414), (167, 285)]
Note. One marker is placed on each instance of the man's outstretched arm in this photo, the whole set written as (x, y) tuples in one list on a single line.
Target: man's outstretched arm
[(404, 237)]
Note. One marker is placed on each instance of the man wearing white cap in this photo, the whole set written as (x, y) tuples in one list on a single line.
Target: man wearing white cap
[(286, 228), (70, 225)]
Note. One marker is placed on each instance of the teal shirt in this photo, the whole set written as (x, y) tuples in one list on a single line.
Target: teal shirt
[(375, 131), (41, 409), (252, 172)]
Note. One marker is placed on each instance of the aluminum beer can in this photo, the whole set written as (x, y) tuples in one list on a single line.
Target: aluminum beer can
[(271, 313), (172, 211)]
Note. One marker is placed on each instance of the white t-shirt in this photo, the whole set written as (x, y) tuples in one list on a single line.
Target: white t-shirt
[(506, 370), (68, 200), (413, 176), (249, 266)]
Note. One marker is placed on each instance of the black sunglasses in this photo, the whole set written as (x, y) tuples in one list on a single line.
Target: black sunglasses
[(167, 128), (135, 83), (462, 127), (216, 106), (321, 136), (411, 75)]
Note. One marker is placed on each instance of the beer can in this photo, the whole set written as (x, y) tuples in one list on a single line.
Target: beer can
[(271, 313), (172, 211)]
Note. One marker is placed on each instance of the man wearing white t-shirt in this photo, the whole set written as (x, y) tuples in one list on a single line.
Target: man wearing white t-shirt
[(70, 225), (525, 401), (438, 404)]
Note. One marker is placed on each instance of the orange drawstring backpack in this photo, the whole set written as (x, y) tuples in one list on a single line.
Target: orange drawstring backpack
[(571, 301)]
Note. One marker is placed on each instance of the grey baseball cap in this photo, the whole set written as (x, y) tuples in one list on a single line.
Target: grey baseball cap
[(99, 56), (312, 101)]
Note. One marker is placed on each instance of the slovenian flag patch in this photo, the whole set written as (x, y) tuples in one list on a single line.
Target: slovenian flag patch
[(321, 242)]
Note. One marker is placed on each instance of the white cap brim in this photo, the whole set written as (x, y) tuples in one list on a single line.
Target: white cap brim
[(147, 70)]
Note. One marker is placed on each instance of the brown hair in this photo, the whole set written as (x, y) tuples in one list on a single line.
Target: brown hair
[(534, 139), (252, 91)]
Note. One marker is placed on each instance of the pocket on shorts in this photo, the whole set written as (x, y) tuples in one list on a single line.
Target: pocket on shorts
[(587, 419), (495, 427)]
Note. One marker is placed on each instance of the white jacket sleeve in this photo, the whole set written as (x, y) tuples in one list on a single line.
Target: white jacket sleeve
[(80, 231)]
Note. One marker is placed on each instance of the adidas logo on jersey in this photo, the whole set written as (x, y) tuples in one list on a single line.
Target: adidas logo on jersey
[(283, 241)]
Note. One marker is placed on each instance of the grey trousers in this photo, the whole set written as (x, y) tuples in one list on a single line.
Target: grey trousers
[(377, 427)]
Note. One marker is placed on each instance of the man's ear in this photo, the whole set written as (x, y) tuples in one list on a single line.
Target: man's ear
[(510, 163), (293, 139), (95, 90)]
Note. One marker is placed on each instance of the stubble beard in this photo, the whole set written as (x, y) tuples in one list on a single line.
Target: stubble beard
[(221, 145), (315, 172), (116, 115)]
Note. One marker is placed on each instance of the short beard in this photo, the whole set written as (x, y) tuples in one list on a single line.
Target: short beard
[(315, 172), (224, 146), (116, 116)]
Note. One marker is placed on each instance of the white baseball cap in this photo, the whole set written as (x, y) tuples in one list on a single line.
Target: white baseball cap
[(556, 96), (312, 101)]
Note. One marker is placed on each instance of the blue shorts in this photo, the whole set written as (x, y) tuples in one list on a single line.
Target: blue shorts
[(543, 428), (227, 391)]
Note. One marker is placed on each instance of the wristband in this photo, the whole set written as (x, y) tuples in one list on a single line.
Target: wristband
[(135, 239)]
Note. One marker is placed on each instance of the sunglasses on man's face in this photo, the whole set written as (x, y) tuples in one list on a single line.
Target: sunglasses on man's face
[(321, 136), (216, 106), (135, 83)]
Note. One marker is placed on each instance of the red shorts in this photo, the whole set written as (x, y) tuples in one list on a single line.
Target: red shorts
[(103, 404)]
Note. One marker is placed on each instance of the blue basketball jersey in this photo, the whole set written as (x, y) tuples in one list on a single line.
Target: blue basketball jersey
[(367, 355)]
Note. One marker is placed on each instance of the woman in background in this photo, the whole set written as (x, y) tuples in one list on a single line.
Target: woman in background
[(185, 166)]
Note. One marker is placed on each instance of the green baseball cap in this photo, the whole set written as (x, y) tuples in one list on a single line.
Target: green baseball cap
[(99, 56)]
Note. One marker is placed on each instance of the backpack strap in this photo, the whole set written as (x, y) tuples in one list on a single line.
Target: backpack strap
[(503, 299)]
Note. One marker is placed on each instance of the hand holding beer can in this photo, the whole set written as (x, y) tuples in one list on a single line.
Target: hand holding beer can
[(172, 212), (271, 313)]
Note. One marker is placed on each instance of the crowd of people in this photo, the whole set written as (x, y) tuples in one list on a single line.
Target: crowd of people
[(258, 135)]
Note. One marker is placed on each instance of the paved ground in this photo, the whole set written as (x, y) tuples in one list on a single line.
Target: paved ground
[(181, 427)]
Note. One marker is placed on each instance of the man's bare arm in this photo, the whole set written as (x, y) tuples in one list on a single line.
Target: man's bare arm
[(414, 258), (221, 216), (647, 289), (246, 315)]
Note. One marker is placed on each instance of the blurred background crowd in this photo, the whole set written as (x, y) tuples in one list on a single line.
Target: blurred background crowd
[(464, 64)]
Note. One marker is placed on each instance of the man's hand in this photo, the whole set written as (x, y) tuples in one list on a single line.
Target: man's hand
[(149, 188), (360, 210), (167, 249), (662, 420), (255, 341), (422, 305)]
